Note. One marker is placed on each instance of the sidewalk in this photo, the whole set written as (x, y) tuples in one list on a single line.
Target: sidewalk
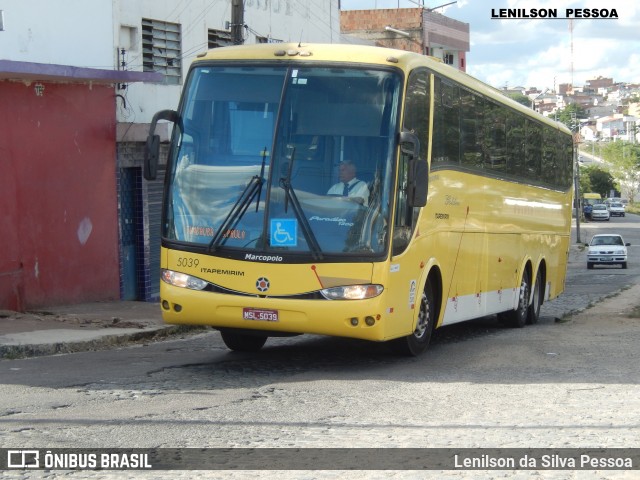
[(82, 327), (102, 325)]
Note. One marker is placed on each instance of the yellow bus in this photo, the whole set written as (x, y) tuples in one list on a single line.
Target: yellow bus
[(463, 207)]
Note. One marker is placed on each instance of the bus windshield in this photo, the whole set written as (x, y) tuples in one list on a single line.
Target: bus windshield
[(273, 160)]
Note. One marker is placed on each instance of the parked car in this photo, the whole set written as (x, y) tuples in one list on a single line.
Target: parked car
[(616, 209), (600, 212), (607, 249)]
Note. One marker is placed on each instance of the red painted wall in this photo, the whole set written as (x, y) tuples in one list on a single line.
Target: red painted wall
[(58, 199)]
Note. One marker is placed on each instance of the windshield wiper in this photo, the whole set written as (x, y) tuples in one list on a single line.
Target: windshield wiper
[(251, 191), (290, 196), (264, 158)]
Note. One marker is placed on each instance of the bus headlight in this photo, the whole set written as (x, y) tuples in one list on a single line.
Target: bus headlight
[(183, 280), (352, 292)]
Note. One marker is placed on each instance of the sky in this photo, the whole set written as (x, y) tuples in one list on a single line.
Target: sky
[(538, 52)]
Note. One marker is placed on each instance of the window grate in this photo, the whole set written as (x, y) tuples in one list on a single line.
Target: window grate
[(219, 38), (161, 49)]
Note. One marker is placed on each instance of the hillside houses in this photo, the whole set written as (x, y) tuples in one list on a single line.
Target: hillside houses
[(613, 109)]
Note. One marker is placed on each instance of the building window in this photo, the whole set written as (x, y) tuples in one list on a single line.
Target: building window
[(219, 38), (161, 49), (267, 40), (448, 58)]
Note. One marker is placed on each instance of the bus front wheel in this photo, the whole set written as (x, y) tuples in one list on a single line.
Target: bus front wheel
[(416, 343), (242, 342)]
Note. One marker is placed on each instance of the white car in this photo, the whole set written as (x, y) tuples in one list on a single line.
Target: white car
[(600, 212), (616, 209), (607, 249)]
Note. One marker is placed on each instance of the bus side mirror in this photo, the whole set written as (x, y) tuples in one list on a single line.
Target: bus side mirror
[(418, 187), (152, 147), (151, 154), (418, 174), (409, 144)]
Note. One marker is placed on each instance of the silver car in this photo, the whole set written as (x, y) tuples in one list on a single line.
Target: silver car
[(616, 208), (607, 249), (600, 212)]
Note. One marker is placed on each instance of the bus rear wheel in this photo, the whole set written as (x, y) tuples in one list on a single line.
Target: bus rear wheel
[(242, 342), (416, 343), (533, 313), (518, 318)]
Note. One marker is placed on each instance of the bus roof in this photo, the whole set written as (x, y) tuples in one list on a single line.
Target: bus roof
[(365, 54)]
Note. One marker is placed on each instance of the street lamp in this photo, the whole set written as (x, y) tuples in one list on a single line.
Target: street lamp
[(533, 102), (421, 4), (399, 32), (439, 6)]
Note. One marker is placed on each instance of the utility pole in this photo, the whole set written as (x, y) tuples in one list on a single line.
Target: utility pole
[(571, 34), (576, 163), (237, 22)]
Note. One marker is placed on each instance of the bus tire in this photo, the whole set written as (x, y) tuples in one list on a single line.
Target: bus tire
[(533, 312), (242, 342), (416, 343), (518, 318)]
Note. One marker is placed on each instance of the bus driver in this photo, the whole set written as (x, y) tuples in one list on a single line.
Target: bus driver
[(349, 185)]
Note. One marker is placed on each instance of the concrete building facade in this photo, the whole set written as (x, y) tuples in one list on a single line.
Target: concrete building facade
[(417, 30)]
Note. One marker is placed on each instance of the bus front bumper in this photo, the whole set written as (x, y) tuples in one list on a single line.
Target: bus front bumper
[(363, 319)]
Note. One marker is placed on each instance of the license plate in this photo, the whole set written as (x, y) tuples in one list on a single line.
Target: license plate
[(260, 314)]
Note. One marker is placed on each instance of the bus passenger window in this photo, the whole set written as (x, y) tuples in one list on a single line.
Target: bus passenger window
[(533, 149), (471, 125), (515, 145)]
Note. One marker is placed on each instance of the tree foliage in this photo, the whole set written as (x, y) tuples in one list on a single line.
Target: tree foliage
[(623, 159), (585, 180), (523, 99), (571, 115), (597, 180)]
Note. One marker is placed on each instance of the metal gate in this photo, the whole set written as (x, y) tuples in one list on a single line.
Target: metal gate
[(139, 213)]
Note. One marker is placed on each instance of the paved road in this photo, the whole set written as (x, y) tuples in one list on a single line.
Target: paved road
[(586, 287), (551, 385)]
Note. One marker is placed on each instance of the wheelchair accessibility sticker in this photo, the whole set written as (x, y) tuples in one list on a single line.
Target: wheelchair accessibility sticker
[(284, 232)]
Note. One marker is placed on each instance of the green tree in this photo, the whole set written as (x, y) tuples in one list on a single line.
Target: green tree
[(523, 99), (584, 180), (623, 159), (571, 115), (599, 180)]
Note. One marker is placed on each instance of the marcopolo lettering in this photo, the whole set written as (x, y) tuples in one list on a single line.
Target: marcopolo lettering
[(262, 258)]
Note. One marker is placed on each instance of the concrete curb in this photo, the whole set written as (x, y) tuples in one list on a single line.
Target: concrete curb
[(101, 342)]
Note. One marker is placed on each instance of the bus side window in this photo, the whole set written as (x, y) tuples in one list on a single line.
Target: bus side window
[(515, 145), (471, 122), (416, 120), (533, 150)]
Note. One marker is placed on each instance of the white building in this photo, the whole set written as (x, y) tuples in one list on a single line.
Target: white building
[(588, 133), (616, 127), (145, 36)]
